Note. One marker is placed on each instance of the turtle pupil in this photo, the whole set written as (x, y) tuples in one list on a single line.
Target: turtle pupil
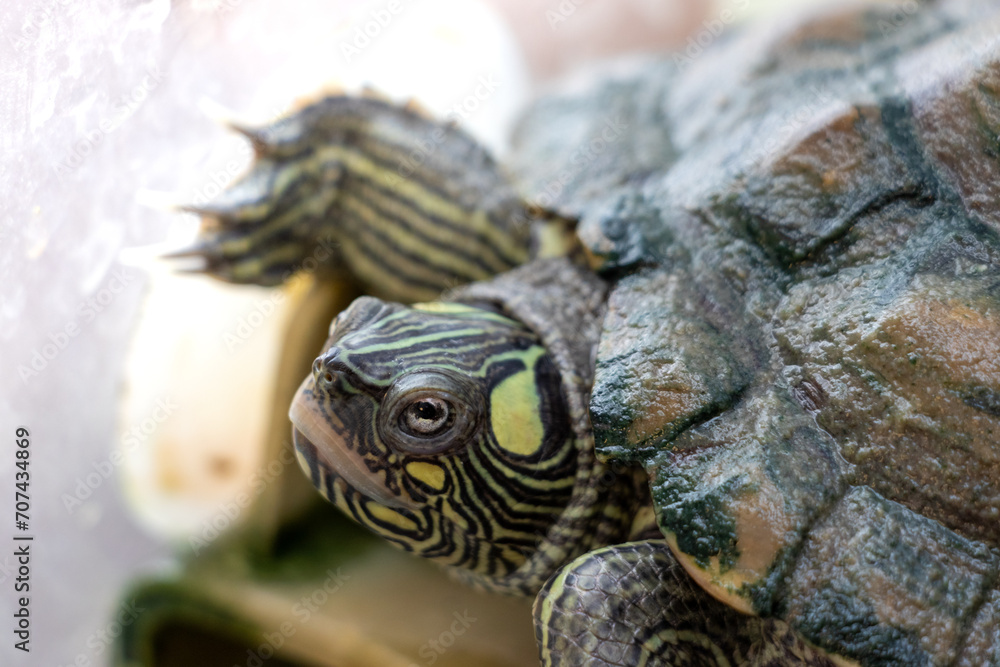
[(427, 416), (425, 410)]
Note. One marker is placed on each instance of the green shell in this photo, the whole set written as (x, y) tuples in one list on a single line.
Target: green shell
[(801, 228)]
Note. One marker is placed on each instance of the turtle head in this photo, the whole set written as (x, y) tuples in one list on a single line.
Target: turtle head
[(443, 428)]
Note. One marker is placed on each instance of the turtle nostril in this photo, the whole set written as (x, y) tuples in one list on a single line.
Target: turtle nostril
[(328, 366)]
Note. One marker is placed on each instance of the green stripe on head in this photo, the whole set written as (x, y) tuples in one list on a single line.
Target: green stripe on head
[(443, 428)]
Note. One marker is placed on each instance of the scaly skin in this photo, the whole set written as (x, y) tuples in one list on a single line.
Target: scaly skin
[(633, 605), (407, 206)]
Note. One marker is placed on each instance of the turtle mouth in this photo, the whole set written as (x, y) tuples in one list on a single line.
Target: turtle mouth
[(312, 426)]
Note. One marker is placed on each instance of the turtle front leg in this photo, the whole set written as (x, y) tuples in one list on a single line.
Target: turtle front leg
[(406, 205), (633, 604), (269, 225)]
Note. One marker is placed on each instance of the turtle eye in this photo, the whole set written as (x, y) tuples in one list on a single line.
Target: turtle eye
[(427, 416), (428, 412)]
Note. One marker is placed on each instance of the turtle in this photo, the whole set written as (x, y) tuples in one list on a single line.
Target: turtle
[(710, 365)]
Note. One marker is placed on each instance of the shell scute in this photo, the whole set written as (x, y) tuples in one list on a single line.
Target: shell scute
[(800, 337)]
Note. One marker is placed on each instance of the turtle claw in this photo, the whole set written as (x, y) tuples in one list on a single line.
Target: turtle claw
[(238, 270), (201, 258), (267, 278), (268, 258), (259, 137), (201, 250), (191, 272), (261, 229), (239, 247), (215, 217)]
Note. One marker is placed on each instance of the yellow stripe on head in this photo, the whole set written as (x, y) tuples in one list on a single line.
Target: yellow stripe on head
[(387, 515), (429, 473), (446, 308)]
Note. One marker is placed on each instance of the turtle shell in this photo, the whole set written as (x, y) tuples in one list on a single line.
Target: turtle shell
[(801, 228)]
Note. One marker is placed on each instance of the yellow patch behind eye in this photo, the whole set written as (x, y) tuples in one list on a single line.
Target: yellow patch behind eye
[(428, 473), (515, 410)]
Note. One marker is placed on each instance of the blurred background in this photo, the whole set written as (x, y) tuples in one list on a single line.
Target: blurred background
[(111, 107)]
